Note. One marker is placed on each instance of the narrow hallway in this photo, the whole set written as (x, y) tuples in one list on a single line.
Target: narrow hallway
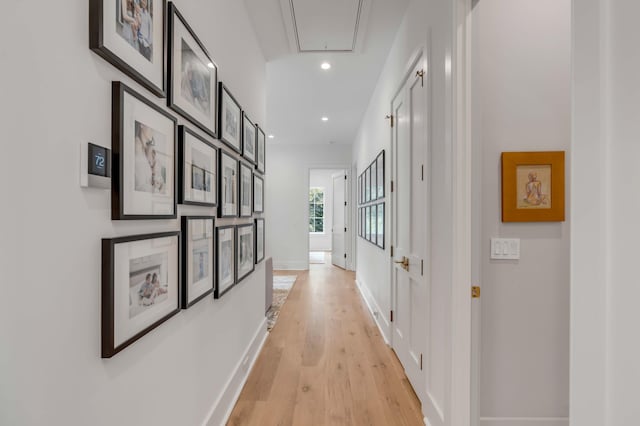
[(325, 363)]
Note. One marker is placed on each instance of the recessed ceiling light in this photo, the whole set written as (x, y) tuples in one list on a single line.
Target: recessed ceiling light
[(271, 136), (325, 66), (325, 118), (210, 65)]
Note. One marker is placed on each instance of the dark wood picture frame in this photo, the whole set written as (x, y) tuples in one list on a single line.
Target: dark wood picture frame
[(258, 178), (246, 122), (118, 200), (172, 14), (223, 93), (186, 267), (183, 169), (240, 278), (531, 181), (221, 182), (218, 292), (261, 151), (245, 168), (108, 309), (97, 45), (255, 253)]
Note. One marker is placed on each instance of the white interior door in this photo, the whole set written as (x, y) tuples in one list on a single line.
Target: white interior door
[(410, 236), (339, 227)]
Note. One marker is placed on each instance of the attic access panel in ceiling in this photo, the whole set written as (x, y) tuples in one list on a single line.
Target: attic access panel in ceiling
[(327, 25)]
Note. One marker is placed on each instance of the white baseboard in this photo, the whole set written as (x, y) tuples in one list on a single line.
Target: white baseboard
[(377, 314), (290, 266), (222, 408), (524, 421)]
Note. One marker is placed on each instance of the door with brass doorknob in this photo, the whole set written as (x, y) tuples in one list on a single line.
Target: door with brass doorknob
[(409, 219)]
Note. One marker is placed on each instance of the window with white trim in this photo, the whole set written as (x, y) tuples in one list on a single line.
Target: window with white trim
[(316, 210)]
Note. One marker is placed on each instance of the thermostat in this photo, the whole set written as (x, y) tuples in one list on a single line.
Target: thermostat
[(95, 166)]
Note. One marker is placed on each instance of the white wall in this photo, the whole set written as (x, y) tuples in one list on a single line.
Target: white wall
[(323, 178), (287, 197), (522, 94), (56, 94), (605, 227)]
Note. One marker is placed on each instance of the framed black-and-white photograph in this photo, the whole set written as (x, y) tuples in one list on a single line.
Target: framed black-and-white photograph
[(228, 178), (261, 151), (367, 223), (374, 225), (130, 35), (198, 254), (360, 222), (249, 139), (258, 194), (245, 256), (260, 235), (193, 76), (380, 226), (230, 119), (367, 185), (226, 260), (197, 169), (246, 190), (374, 181), (144, 158), (140, 287), (380, 174)]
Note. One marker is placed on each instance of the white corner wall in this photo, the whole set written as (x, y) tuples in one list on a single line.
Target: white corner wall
[(287, 198), (323, 178), (521, 102), (605, 229), (56, 95)]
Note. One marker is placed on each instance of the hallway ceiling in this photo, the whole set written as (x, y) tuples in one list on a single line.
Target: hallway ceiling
[(296, 37)]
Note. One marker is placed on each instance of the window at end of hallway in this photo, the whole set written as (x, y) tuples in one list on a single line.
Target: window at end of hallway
[(316, 210)]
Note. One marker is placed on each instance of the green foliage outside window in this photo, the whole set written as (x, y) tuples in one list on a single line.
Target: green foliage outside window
[(316, 210)]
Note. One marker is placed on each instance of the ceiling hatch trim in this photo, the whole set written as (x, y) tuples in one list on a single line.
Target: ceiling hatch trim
[(292, 22)]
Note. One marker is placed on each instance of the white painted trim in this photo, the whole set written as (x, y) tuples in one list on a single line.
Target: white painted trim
[(375, 311), (524, 421), (289, 265), (222, 408)]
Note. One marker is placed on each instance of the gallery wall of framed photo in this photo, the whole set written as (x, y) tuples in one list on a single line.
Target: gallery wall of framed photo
[(372, 202), (200, 153)]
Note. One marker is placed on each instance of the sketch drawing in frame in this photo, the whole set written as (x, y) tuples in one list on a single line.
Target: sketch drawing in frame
[(228, 192), (198, 169), (225, 260), (198, 254)]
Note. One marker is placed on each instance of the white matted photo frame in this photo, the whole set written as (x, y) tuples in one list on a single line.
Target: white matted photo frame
[(225, 260), (230, 119), (144, 144), (246, 190), (249, 139), (140, 287), (245, 246), (192, 75), (130, 36), (261, 151), (197, 169), (260, 236), (198, 256), (228, 192), (258, 194)]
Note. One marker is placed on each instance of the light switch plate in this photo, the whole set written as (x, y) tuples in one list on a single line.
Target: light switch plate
[(505, 248)]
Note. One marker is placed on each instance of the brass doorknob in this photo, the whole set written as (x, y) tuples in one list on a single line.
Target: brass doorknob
[(404, 262)]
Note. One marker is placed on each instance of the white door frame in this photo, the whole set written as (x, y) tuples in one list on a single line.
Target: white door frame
[(350, 197)]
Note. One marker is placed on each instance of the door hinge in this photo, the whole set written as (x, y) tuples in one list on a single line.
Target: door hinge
[(345, 255), (475, 292), (345, 229), (391, 316), (420, 73), (420, 362), (345, 177), (390, 117), (391, 186), (391, 251), (423, 172), (422, 267), (345, 203)]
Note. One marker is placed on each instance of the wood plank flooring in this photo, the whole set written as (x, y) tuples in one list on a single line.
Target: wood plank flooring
[(325, 363)]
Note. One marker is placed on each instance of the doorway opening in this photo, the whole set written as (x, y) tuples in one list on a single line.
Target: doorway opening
[(328, 217)]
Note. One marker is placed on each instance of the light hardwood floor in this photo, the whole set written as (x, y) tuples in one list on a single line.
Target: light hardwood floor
[(325, 363)]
